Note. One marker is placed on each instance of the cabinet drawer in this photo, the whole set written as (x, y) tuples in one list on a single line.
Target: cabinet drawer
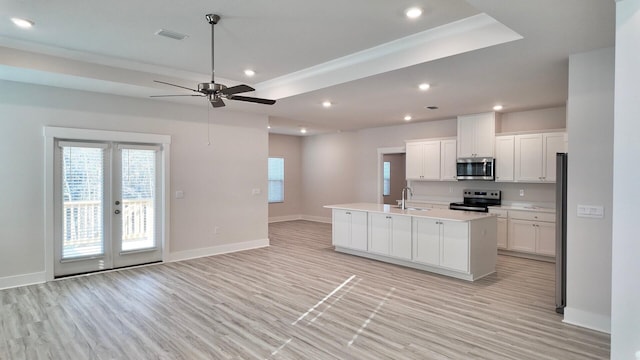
[(499, 212), (532, 216)]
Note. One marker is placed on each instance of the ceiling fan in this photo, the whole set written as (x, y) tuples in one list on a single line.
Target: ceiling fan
[(213, 91)]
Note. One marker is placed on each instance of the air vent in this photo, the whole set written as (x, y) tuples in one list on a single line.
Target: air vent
[(171, 34), (431, 107)]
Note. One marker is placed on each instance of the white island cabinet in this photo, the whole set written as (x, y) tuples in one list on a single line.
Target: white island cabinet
[(454, 243), (350, 229)]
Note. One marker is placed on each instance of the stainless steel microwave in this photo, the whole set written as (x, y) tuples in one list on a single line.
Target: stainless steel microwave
[(475, 169)]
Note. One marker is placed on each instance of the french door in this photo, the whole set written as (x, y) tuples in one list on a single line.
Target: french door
[(107, 205)]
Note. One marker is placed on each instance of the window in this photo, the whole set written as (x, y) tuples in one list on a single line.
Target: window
[(276, 179), (386, 174)]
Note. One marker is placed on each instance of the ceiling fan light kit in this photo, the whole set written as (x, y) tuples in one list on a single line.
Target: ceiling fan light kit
[(213, 91)]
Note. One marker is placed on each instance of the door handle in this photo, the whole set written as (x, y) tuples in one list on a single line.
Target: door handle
[(117, 212)]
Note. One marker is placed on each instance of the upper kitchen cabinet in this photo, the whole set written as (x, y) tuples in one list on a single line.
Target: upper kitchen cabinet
[(504, 158), (432, 160), (476, 135), (535, 156)]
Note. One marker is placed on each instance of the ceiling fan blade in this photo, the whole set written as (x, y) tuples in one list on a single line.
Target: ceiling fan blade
[(170, 84), (237, 89), (252, 99), (175, 95), (216, 103)]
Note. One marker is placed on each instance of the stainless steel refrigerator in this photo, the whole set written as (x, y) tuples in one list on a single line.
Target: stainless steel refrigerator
[(561, 232)]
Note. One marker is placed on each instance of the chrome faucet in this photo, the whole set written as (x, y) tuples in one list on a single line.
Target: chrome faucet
[(404, 198)]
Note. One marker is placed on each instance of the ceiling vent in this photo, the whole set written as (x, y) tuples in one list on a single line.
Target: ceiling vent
[(171, 34)]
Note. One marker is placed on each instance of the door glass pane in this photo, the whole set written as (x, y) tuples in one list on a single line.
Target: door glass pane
[(138, 199), (82, 197)]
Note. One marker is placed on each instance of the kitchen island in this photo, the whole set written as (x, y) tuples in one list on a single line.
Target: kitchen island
[(459, 244)]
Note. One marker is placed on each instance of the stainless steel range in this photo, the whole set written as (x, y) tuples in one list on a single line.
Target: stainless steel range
[(478, 200)]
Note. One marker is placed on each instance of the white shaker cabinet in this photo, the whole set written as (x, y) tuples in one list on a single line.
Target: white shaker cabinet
[(535, 156), (390, 235), (448, 158), (432, 160), (423, 160), (532, 232), (502, 236), (476, 135), (350, 229), (504, 163), (441, 243)]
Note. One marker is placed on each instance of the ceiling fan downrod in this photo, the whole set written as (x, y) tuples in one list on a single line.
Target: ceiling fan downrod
[(213, 20)]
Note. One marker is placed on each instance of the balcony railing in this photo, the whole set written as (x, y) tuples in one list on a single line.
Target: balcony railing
[(82, 229)]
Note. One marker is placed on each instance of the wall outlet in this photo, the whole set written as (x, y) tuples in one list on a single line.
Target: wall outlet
[(216, 230), (179, 194), (450, 189), (256, 191), (521, 192)]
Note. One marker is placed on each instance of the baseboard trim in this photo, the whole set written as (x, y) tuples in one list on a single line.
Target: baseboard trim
[(218, 250), (587, 320), (22, 280), (316, 219), (276, 219)]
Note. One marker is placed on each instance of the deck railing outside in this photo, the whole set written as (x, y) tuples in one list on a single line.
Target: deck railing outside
[(82, 226)]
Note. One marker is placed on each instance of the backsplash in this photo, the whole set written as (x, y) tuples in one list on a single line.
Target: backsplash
[(449, 191)]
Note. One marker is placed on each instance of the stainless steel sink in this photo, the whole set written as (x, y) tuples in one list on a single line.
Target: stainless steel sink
[(411, 208)]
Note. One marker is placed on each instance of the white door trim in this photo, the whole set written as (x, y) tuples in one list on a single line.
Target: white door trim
[(52, 133)]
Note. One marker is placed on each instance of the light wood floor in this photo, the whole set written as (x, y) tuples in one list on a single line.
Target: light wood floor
[(297, 299)]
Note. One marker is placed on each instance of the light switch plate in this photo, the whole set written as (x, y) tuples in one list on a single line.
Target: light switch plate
[(591, 211), (179, 194), (256, 191)]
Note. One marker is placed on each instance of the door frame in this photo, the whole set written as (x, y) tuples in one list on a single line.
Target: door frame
[(381, 153), (52, 133)]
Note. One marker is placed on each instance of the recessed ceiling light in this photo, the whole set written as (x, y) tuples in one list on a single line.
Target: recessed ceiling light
[(407, 118), (326, 104), (23, 23), (413, 13), (303, 130), (268, 126), (424, 86), (249, 72), (497, 107)]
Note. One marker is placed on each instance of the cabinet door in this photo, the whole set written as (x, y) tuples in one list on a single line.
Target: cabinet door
[(502, 233), (426, 241), (414, 159), (466, 136), (401, 237), (553, 143), (431, 164), (341, 230), (522, 235), (358, 230), (448, 159), (454, 246), (546, 239), (504, 158), (485, 135), (379, 233), (528, 157)]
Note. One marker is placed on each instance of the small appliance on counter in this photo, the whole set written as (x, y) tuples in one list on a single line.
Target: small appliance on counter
[(475, 169), (478, 200)]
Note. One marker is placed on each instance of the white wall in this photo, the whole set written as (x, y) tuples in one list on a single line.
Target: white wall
[(217, 179), (532, 120), (290, 148), (590, 174), (625, 291)]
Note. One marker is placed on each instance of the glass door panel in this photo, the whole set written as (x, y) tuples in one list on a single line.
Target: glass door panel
[(138, 199)]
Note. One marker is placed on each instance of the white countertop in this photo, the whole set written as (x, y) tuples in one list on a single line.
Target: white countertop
[(441, 214), (523, 207)]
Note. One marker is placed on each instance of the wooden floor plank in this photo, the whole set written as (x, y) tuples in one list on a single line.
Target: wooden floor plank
[(297, 299)]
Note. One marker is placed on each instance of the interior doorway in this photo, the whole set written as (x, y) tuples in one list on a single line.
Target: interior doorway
[(392, 175)]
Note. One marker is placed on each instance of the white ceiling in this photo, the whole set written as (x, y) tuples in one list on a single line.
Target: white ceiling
[(363, 55)]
